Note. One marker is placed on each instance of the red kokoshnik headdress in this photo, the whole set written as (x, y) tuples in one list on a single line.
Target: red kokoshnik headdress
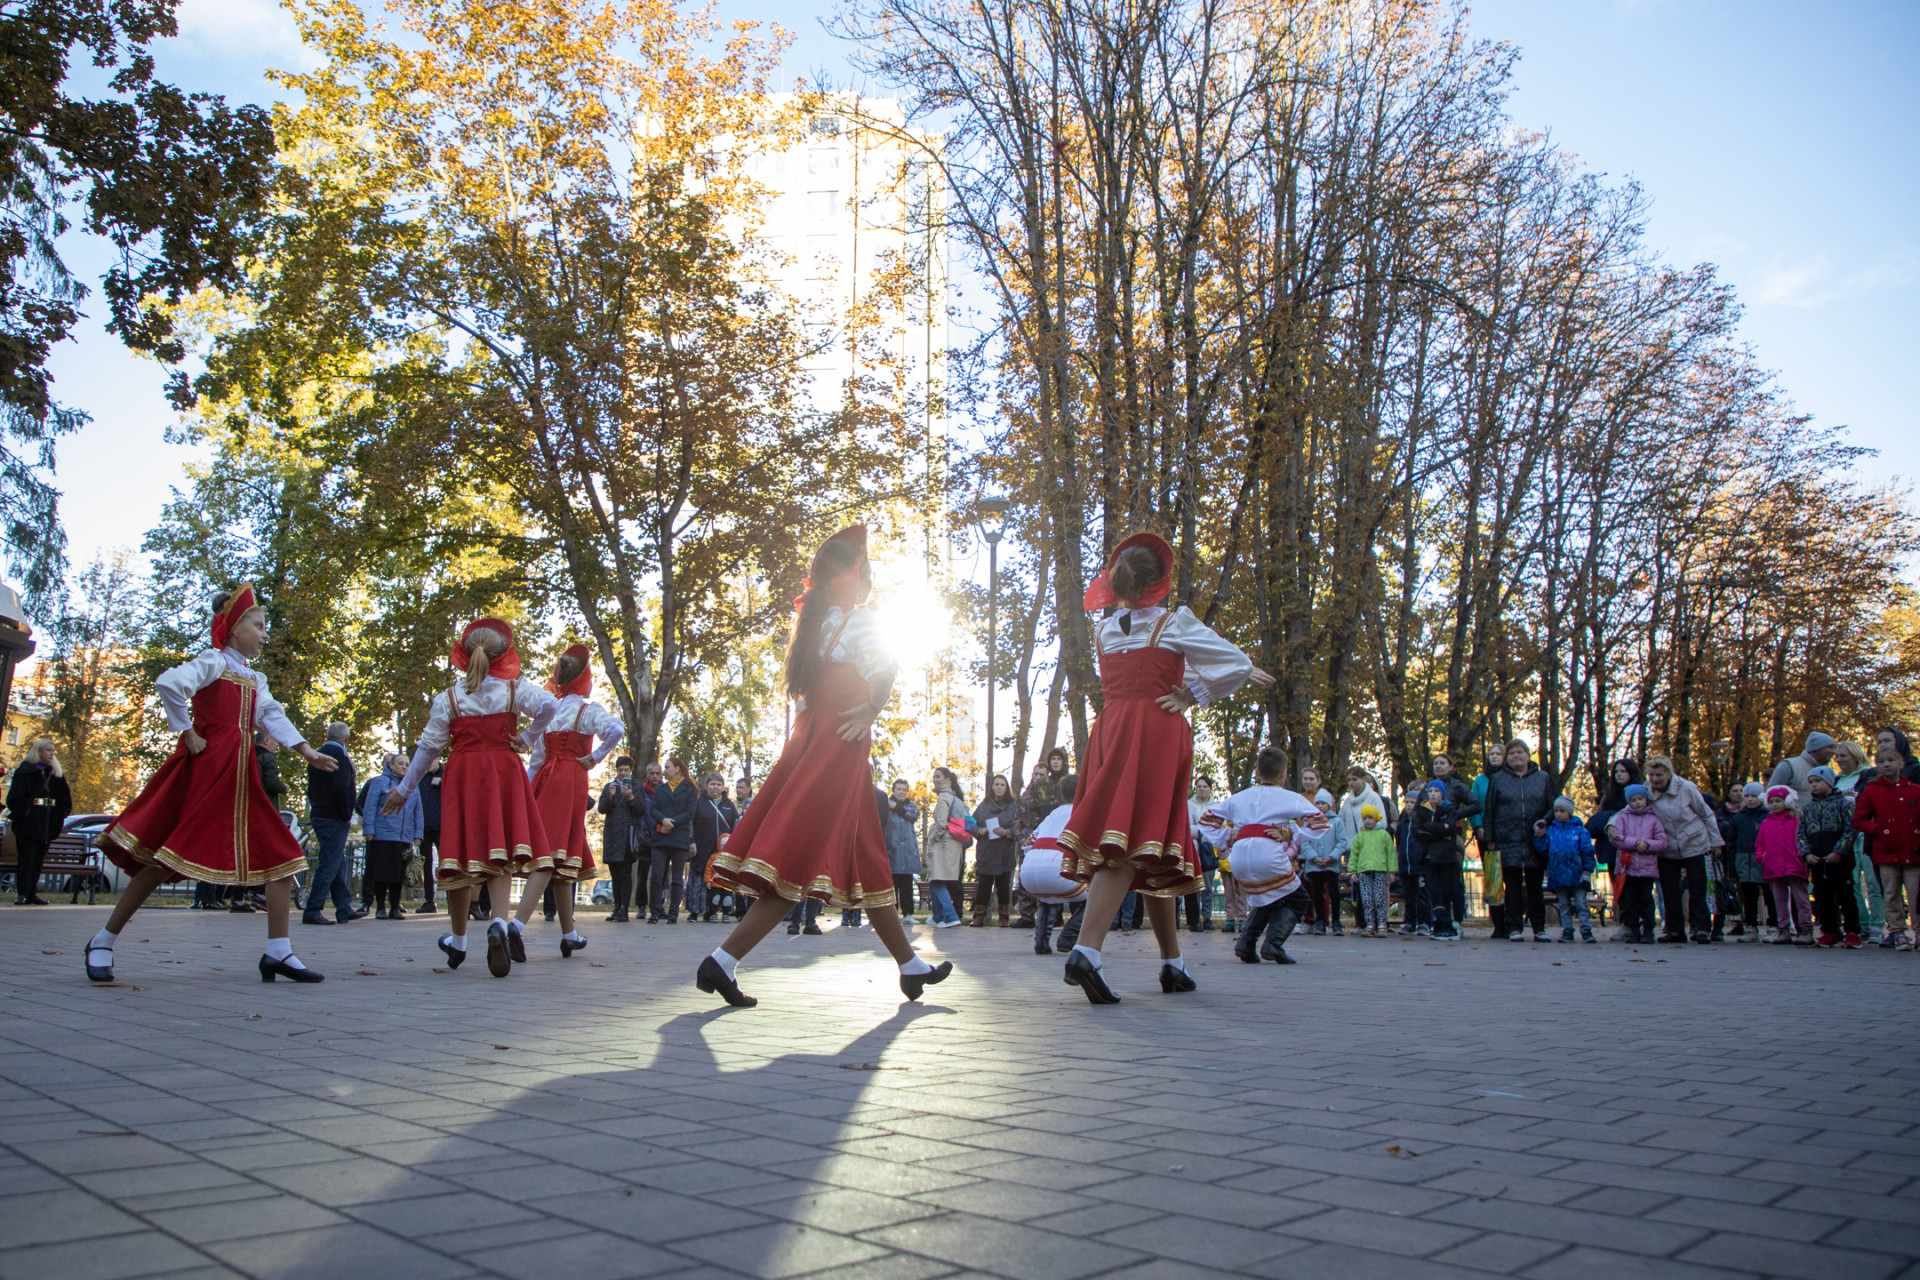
[(843, 590), (1100, 593), (581, 684), (223, 625), (506, 666)]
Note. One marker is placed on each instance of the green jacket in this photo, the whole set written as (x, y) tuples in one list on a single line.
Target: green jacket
[(1371, 851)]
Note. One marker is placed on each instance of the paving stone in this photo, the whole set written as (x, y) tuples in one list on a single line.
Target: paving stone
[(325, 1254), (586, 1256), (120, 1257), (1004, 1249)]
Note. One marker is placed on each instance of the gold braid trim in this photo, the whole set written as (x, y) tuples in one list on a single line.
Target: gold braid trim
[(755, 876), (1161, 868)]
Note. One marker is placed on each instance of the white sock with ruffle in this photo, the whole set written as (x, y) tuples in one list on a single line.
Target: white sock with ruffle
[(724, 960), (1093, 957), (915, 966)]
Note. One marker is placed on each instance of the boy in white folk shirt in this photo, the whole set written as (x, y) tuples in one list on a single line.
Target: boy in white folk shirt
[(1259, 825)]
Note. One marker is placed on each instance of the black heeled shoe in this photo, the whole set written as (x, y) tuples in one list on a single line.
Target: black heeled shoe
[(454, 958), (711, 978), (1278, 955), (271, 969), (1247, 956), (499, 962), (568, 948), (1082, 974), (1172, 980), (912, 984), (517, 944), (100, 972)]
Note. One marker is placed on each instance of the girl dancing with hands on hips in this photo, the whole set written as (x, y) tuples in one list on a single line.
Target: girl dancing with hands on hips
[(1131, 829)]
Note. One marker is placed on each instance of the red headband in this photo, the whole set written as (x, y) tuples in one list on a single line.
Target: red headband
[(581, 684), (237, 608), (1100, 593), (506, 666), (843, 589)]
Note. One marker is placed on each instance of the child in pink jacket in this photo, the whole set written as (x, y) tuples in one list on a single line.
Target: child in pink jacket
[(1777, 850), (1640, 836)]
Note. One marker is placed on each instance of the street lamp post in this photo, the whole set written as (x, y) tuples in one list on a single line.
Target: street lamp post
[(993, 523)]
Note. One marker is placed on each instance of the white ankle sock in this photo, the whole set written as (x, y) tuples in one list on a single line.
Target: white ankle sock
[(279, 948), (573, 935), (1176, 963), (458, 941), (102, 941), (1092, 956), (915, 965), (515, 925), (724, 960)]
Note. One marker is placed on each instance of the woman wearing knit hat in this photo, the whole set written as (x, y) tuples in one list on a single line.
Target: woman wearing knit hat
[(1370, 857)]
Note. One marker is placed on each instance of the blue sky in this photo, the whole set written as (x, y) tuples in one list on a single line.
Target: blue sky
[(1776, 139)]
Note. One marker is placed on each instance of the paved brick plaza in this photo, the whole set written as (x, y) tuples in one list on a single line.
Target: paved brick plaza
[(1395, 1109)]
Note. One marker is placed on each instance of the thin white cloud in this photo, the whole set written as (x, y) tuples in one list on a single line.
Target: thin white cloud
[(1816, 282), (261, 30)]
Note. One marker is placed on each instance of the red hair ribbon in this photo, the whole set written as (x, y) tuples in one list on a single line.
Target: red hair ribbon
[(506, 666), (243, 600), (1100, 593), (843, 589), (581, 684)]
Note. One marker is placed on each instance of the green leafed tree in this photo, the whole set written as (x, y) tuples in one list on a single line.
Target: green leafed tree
[(170, 179)]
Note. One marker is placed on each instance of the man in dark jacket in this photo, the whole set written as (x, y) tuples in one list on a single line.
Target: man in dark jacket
[(1466, 810), (330, 808), (429, 834), (671, 838), (1519, 800), (623, 804), (38, 803)]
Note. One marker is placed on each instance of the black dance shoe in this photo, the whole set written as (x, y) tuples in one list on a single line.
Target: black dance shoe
[(99, 972), (711, 977), (1246, 955), (1082, 974), (454, 958), (568, 948), (1172, 980), (1278, 955), (271, 969), (912, 984), (1042, 949), (516, 945), (499, 962)]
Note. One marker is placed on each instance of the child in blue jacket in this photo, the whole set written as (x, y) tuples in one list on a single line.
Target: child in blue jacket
[(1570, 861)]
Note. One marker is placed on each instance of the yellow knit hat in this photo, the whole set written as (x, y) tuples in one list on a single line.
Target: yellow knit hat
[(1369, 811)]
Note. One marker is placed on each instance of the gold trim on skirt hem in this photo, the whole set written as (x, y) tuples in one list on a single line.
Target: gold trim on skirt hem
[(755, 876), (1163, 867), (191, 870)]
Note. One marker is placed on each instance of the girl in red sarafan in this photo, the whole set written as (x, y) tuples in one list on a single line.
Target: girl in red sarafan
[(1130, 828), (813, 830), (204, 814), (490, 828), (558, 766)]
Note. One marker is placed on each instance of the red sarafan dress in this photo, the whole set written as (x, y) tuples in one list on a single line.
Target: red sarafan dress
[(813, 831), (1131, 805), (489, 823), (560, 782), (206, 817)]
